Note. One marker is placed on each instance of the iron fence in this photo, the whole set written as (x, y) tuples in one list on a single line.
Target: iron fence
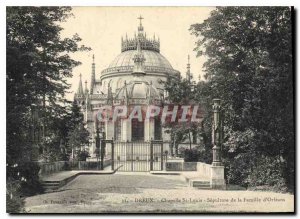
[(138, 156)]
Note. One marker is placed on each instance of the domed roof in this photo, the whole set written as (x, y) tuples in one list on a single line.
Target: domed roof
[(153, 59), (138, 89)]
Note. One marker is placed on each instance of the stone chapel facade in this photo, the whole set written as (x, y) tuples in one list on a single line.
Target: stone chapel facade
[(132, 78)]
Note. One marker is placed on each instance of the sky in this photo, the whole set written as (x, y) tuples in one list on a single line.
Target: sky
[(101, 29)]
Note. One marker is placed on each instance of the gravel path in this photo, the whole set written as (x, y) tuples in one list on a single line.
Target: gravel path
[(143, 192)]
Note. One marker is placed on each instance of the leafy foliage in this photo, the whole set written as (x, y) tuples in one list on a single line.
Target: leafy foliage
[(14, 203), (38, 63), (78, 135), (82, 155), (181, 92), (196, 154), (22, 181), (249, 66)]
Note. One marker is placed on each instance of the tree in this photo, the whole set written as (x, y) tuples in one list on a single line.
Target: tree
[(249, 66), (38, 63), (77, 135), (181, 92)]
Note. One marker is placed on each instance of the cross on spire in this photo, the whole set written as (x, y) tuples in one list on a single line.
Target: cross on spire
[(140, 28), (140, 18)]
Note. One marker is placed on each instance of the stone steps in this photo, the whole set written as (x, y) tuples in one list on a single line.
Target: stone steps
[(200, 184), (50, 186), (164, 172)]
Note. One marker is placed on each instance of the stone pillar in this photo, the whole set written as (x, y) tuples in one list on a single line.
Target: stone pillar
[(109, 129), (91, 129), (216, 133), (165, 136), (149, 129), (217, 169), (97, 140), (217, 179), (126, 130)]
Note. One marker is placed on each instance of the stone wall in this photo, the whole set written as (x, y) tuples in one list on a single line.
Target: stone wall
[(90, 165), (181, 166), (53, 167), (204, 169), (215, 174)]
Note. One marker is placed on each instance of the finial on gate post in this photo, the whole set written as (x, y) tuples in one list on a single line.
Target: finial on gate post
[(216, 133)]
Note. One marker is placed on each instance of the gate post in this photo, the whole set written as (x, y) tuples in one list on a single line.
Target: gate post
[(161, 156), (216, 133), (151, 155), (131, 156), (217, 180), (102, 151), (97, 139), (112, 154)]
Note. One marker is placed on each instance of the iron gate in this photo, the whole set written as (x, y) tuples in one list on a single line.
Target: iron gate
[(136, 156)]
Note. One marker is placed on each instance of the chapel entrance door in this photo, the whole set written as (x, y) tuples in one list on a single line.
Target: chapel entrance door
[(137, 130)]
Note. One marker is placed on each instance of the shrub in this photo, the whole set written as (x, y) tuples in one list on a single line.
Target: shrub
[(14, 201), (190, 155), (238, 169), (259, 173), (27, 175), (196, 154), (267, 175), (82, 155)]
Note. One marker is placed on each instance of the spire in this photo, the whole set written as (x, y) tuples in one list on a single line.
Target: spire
[(80, 89), (86, 91), (140, 28), (188, 72), (126, 93), (146, 43), (93, 76), (109, 95), (138, 59)]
